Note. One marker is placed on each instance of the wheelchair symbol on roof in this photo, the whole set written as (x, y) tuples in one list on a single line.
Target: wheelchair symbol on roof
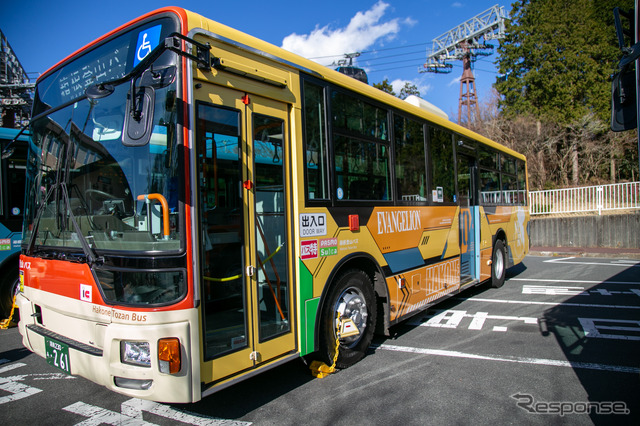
[(144, 49), (147, 41)]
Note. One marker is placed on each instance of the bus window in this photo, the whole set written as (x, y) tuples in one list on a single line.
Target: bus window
[(16, 168), (362, 169), (361, 154), (522, 184), (487, 158), (411, 173), (442, 173), (355, 116), (315, 143), (489, 187)]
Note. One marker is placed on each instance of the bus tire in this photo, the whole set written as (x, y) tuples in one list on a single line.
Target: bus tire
[(352, 296), (498, 264)]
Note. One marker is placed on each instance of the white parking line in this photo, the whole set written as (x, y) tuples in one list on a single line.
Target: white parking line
[(605, 328), (542, 280), (532, 302), (558, 260), (132, 414), (574, 291), (566, 261), (512, 359), (452, 318)]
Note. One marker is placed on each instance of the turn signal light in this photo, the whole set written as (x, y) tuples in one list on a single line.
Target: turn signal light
[(354, 222), (169, 355)]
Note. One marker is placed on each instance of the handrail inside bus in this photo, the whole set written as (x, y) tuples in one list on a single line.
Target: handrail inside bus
[(165, 211)]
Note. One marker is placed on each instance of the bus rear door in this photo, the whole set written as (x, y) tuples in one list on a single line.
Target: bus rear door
[(469, 218)]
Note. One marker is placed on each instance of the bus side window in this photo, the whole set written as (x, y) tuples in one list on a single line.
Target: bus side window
[(411, 173), (317, 182), (522, 184), (442, 171)]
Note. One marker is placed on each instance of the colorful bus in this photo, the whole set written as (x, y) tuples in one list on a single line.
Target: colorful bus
[(12, 176), (203, 206)]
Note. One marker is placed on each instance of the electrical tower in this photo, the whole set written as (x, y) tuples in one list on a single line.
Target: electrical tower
[(466, 42)]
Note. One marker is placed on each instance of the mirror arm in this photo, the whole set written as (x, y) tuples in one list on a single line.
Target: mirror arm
[(203, 50)]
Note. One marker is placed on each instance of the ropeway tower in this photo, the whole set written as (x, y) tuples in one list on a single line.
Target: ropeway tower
[(466, 42)]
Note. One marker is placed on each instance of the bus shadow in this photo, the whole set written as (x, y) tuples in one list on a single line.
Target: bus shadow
[(599, 333), (246, 396), (14, 355), (249, 395)]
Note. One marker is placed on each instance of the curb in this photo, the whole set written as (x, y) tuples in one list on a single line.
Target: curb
[(563, 252)]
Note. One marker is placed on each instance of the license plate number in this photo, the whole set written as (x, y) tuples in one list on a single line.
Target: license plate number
[(57, 354)]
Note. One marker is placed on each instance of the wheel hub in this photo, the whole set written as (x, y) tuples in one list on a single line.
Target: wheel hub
[(351, 304)]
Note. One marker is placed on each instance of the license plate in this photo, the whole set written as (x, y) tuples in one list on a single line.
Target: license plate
[(57, 354)]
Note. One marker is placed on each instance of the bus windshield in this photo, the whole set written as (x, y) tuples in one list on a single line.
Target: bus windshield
[(91, 184)]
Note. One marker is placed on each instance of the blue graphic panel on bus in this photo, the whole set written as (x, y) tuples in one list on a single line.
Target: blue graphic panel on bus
[(403, 260), (147, 41)]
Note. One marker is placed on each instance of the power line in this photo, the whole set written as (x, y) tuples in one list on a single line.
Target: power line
[(371, 51)]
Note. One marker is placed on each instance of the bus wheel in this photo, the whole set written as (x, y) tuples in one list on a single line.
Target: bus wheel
[(498, 264), (352, 297)]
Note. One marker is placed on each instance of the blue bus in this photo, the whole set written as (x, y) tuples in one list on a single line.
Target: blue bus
[(12, 183)]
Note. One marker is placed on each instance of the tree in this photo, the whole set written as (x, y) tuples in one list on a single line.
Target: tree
[(385, 86), (408, 89), (556, 60)]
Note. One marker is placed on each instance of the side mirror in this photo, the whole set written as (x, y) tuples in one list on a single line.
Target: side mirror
[(138, 118), (623, 100)]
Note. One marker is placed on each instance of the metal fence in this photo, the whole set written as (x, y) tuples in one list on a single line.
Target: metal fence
[(619, 196)]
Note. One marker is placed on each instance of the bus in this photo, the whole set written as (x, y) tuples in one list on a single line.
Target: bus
[(12, 177), (203, 206)]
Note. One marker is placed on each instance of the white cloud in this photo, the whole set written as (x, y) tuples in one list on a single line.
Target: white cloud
[(454, 81), (364, 29), (423, 87), (456, 4)]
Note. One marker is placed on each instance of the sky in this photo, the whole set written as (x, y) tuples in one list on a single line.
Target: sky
[(393, 35)]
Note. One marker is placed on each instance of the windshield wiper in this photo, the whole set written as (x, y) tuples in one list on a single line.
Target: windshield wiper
[(92, 257), (90, 253)]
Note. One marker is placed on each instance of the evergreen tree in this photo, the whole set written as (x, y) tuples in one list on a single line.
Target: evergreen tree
[(409, 89), (557, 59), (385, 86)]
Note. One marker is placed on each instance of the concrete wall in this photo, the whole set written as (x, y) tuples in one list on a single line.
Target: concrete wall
[(617, 231)]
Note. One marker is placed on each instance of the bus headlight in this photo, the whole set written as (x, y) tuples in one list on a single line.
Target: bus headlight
[(169, 355), (135, 353)]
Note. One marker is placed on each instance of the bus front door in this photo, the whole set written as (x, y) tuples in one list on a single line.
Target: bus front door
[(246, 288)]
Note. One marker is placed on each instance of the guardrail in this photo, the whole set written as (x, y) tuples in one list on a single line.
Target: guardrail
[(619, 196)]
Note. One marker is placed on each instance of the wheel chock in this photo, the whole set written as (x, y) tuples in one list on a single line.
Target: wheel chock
[(320, 370)]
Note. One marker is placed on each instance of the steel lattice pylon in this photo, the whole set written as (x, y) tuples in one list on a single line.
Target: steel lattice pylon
[(466, 42)]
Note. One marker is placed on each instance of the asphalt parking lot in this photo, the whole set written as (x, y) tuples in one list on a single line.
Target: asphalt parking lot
[(558, 344)]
